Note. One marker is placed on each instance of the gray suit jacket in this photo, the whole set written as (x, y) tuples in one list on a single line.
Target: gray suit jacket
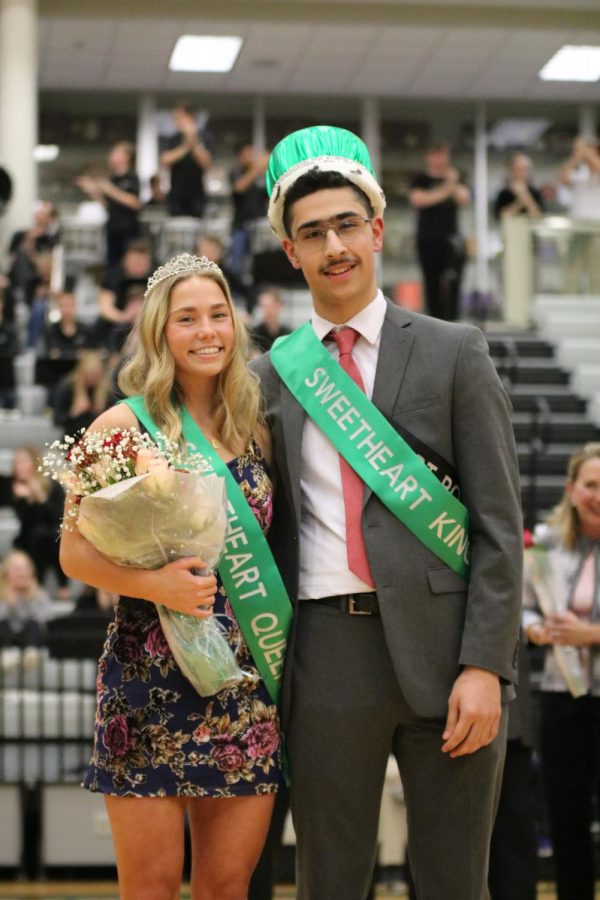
[(437, 380)]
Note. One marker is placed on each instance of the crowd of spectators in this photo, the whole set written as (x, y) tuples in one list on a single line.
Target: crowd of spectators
[(76, 360)]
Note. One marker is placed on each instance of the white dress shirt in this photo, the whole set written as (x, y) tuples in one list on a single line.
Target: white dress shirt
[(323, 559)]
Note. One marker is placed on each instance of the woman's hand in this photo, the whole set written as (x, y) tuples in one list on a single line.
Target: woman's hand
[(179, 588), (567, 628), (22, 490)]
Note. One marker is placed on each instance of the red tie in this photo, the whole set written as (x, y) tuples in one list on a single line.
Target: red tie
[(352, 484)]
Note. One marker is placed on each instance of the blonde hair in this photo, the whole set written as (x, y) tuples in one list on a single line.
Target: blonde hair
[(42, 483), (564, 518), (151, 370), (100, 391), (32, 591)]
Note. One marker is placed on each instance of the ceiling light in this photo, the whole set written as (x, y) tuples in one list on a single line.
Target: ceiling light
[(572, 63), (195, 53)]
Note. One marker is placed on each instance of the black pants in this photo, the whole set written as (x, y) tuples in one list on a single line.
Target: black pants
[(183, 205), (117, 243), (442, 261), (570, 750), (513, 852)]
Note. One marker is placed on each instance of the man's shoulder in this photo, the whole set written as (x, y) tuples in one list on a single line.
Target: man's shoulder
[(263, 367), (430, 328)]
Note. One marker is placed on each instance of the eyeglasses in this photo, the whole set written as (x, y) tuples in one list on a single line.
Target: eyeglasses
[(349, 229)]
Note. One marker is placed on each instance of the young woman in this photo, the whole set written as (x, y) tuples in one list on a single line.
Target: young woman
[(161, 750), (562, 613), (25, 607), (83, 394)]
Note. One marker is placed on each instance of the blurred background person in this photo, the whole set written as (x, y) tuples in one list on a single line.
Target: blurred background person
[(25, 606), (579, 176), (113, 309), (513, 848), (581, 173), (9, 348), (41, 301), (28, 254), (270, 308), (242, 290), (518, 197), (61, 338), (437, 194), (83, 394), (96, 602), (187, 157), (562, 613), (250, 200), (38, 505), (120, 193), (158, 198)]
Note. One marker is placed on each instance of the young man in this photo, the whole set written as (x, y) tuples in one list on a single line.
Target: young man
[(393, 650)]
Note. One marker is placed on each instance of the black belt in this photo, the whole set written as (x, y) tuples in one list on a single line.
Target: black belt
[(353, 604)]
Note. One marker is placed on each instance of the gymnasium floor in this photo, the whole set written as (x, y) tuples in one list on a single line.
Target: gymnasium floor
[(108, 891)]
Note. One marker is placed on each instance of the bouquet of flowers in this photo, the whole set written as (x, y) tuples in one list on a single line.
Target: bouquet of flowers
[(551, 582), (145, 504)]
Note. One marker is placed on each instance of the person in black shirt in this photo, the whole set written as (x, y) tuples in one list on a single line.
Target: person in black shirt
[(188, 158), (120, 194), (211, 246), (518, 197), (38, 503), (65, 336), (114, 308), (250, 200), (270, 327), (437, 194), (9, 348), (61, 341), (29, 251)]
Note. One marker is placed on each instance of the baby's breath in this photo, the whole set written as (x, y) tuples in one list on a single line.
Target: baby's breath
[(93, 460)]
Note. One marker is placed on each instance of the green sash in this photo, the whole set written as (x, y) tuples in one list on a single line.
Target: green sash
[(373, 448), (247, 569)]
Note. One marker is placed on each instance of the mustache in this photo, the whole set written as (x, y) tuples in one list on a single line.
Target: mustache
[(342, 261)]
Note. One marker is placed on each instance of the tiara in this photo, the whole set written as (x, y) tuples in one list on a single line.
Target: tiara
[(184, 264)]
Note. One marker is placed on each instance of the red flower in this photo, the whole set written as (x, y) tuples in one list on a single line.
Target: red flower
[(528, 538)]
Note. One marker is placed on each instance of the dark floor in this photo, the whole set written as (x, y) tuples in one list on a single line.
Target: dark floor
[(103, 890)]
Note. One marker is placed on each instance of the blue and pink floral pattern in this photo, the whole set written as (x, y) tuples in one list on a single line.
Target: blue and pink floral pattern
[(154, 735)]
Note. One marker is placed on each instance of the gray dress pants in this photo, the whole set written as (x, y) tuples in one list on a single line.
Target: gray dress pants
[(347, 714)]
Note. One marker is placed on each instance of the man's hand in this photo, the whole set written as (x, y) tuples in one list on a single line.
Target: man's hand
[(473, 712)]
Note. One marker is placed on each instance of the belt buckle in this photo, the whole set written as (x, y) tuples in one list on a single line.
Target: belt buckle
[(353, 611)]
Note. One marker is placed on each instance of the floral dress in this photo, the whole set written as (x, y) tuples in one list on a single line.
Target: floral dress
[(155, 736)]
